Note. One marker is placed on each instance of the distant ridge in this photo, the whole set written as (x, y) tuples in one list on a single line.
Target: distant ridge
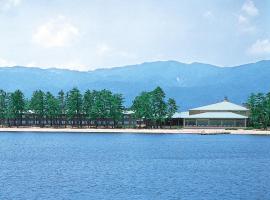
[(192, 85)]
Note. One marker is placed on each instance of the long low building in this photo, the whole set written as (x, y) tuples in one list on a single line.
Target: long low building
[(221, 114)]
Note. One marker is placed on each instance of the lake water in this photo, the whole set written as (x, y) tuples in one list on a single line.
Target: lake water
[(133, 166)]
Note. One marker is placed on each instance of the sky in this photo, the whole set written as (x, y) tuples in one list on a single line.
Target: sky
[(86, 35)]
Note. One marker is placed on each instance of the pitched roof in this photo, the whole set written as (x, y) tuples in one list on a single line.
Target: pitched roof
[(180, 115), (224, 105), (128, 112), (216, 115)]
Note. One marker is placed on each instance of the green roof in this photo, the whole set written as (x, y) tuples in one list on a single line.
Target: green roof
[(209, 115), (180, 115), (216, 115), (222, 106)]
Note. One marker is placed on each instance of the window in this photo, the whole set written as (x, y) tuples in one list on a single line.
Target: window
[(228, 122), (215, 122), (190, 122), (202, 122)]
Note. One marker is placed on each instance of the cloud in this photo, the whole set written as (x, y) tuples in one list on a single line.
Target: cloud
[(249, 8), (243, 20), (74, 65), (31, 64), (6, 5), (57, 32), (208, 15), (247, 13), (260, 47), (6, 63), (103, 49), (245, 25)]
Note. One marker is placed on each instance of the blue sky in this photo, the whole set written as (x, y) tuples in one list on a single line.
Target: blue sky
[(85, 35)]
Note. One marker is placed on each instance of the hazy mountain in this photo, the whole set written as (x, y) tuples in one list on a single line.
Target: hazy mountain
[(190, 84)]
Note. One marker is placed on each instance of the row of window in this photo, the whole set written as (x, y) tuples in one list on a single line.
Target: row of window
[(215, 122)]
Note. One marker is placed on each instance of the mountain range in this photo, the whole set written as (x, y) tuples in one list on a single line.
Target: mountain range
[(191, 85)]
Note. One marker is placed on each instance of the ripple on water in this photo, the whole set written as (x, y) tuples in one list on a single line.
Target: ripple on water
[(133, 166)]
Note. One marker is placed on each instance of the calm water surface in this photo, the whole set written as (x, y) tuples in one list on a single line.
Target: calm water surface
[(133, 166)]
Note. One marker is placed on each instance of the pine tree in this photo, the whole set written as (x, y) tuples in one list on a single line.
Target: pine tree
[(152, 107), (171, 109), (259, 106), (158, 105), (52, 107), (37, 106), (88, 103), (62, 107), (16, 106), (74, 106), (3, 106), (116, 108)]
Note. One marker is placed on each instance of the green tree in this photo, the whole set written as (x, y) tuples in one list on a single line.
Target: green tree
[(116, 108), (52, 107), (259, 105), (37, 106), (158, 105), (171, 109), (16, 106), (74, 106), (251, 103), (95, 112), (142, 107), (267, 108), (62, 106), (88, 105), (3, 106), (103, 105), (152, 108)]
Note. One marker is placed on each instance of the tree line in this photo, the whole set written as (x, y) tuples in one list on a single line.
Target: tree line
[(153, 108), (259, 105), (74, 108)]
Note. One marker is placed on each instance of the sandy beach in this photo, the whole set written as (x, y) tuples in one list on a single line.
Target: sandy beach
[(158, 131)]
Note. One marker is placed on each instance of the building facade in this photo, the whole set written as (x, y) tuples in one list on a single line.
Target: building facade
[(222, 114)]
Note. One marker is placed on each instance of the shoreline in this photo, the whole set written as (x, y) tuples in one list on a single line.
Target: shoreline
[(143, 131)]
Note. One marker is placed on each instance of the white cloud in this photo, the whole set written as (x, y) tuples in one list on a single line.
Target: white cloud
[(260, 47), (208, 15), (243, 20), (249, 8), (74, 66), (57, 32), (6, 63), (103, 49), (8, 4), (245, 26), (31, 64), (247, 13)]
